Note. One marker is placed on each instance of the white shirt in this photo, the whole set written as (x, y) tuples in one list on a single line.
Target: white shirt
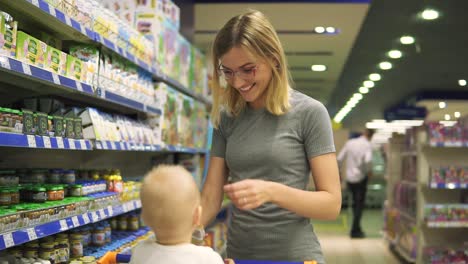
[(150, 252), (358, 155)]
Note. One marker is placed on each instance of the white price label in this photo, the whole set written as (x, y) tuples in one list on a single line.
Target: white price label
[(125, 207), (68, 20), (5, 62), (122, 146), (79, 87), (8, 240), (46, 142), (31, 233), (71, 143), (131, 206), (104, 145), (63, 225), (83, 29), (113, 146), (55, 78), (138, 204), (102, 213), (110, 210), (75, 221), (35, 2), (98, 145), (26, 68), (86, 218), (60, 143), (52, 11), (31, 141), (83, 144), (94, 216)]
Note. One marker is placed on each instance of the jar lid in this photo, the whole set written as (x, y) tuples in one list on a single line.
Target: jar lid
[(4, 190), (39, 189), (76, 186)]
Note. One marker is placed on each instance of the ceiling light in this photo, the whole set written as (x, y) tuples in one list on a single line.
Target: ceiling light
[(318, 68), (442, 105), (331, 30), (430, 14), (395, 54), (457, 114), (363, 90), (406, 40), (447, 117), (385, 65), (374, 77), (358, 96), (319, 30), (369, 84), (462, 82)]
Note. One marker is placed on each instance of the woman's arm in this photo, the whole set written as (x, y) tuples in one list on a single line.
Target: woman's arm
[(322, 204), (212, 193)]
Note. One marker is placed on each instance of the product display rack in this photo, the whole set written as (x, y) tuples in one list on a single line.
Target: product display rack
[(425, 233), (34, 141)]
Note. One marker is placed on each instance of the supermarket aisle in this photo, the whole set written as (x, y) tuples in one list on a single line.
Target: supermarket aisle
[(339, 248)]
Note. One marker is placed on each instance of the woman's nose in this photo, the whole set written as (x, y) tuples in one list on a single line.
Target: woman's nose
[(238, 82)]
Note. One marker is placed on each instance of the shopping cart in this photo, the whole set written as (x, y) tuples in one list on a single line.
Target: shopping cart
[(114, 258)]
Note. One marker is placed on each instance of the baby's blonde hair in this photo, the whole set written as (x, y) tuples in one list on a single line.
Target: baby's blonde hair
[(254, 32)]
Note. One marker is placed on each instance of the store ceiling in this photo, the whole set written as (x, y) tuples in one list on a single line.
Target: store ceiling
[(436, 61)]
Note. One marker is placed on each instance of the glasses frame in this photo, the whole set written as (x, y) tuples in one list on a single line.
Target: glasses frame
[(238, 73)]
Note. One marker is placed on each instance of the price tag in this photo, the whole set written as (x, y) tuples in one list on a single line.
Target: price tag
[(55, 78), (98, 145), (52, 11), (110, 210), (75, 221), (131, 206), (26, 68), (86, 218), (113, 146), (31, 234), (125, 207), (102, 213), (79, 87), (63, 225), (46, 142), (35, 2), (60, 143), (94, 216), (68, 21), (5, 62), (138, 204), (8, 240), (83, 29), (31, 141), (83, 144), (71, 143), (104, 145), (122, 146)]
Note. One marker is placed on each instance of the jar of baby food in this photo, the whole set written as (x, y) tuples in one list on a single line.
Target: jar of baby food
[(99, 236)]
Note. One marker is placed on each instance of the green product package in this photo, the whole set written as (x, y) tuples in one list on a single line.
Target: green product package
[(8, 35), (78, 127), (69, 127), (42, 124), (28, 122), (76, 69), (30, 50), (56, 61), (59, 126), (89, 55)]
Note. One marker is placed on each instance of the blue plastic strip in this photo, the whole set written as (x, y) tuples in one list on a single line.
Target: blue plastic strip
[(59, 15), (153, 110), (125, 101), (44, 6), (75, 25)]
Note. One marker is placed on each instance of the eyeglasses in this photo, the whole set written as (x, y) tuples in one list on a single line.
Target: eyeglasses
[(243, 73)]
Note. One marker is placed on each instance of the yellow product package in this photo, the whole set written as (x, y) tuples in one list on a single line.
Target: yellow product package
[(56, 61), (30, 50)]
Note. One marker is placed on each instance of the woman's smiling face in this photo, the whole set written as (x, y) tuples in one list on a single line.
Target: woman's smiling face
[(247, 74)]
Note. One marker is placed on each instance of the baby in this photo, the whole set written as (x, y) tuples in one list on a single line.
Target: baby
[(171, 208)]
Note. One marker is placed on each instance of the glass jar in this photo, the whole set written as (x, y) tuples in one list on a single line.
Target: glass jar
[(38, 194), (76, 246), (47, 251), (76, 190), (133, 223), (122, 223), (5, 196), (86, 233), (99, 236), (69, 177), (88, 260), (54, 176), (15, 195), (108, 232), (37, 176), (55, 193), (64, 248)]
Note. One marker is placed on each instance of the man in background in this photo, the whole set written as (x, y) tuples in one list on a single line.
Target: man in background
[(357, 156)]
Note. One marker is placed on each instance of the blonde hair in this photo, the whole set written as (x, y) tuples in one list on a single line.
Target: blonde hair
[(254, 32)]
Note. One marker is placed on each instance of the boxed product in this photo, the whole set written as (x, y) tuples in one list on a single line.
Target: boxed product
[(56, 61), (185, 106), (198, 72), (170, 130), (88, 54), (76, 69), (200, 122), (50, 40), (150, 25), (30, 50), (8, 32), (171, 51), (185, 60)]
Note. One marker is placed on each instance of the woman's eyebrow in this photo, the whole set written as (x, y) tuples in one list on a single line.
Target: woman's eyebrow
[(242, 66)]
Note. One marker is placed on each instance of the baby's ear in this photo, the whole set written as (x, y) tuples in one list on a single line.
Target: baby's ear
[(197, 214)]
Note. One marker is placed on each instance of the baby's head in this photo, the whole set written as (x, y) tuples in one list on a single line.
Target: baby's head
[(170, 203)]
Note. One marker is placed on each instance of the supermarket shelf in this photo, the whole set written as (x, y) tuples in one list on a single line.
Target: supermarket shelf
[(409, 183), (180, 149), (119, 239), (11, 239), (57, 84), (128, 146), (44, 142), (409, 153), (62, 24), (449, 145), (449, 186), (447, 224)]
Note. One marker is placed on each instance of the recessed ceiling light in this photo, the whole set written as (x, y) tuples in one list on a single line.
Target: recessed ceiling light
[(331, 30), (363, 90), (358, 96), (457, 114), (395, 54), (385, 65), (447, 117), (442, 105), (318, 68), (430, 14), (319, 29), (369, 84), (406, 40), (462, 82), (374, 77)]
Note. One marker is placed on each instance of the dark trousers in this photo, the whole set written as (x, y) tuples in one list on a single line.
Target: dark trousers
[(358, 192)]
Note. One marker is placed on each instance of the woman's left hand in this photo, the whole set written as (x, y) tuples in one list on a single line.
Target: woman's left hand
[(249, 194)]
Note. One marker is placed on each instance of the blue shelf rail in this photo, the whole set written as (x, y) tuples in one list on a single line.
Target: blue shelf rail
[(43, 142), (94, 36), (434, 185), (129, 146), (18, 237), (449, 145)]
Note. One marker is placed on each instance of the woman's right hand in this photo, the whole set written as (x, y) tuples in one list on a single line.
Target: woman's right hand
[(229, 261)]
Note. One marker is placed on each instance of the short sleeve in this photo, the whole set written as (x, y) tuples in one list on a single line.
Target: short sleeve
[(218, 144), (317, 131)]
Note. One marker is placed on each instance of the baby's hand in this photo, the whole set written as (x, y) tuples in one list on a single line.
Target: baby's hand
[(229, 261)]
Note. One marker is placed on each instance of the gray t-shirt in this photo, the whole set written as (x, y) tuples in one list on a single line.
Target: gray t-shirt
[(259, 145)]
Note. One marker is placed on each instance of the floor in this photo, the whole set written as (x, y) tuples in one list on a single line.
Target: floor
[(338, 247)]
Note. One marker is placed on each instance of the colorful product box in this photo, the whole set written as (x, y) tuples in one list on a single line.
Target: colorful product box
[(150, 24), (56, 61), (8, 32), (170, 129), (89, 55), (76, 69), (171, 51), (30, 50), (198, 72), (186, 108), (185, 60)]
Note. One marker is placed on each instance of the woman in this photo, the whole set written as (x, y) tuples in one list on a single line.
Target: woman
[(267, 140)]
